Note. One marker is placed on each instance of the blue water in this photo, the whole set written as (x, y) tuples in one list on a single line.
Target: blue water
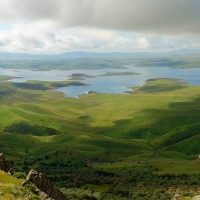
[(105, 84)]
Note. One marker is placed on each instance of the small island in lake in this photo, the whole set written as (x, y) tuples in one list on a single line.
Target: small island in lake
[(119, 74), (80, 76), (46, 85), (6, 78)]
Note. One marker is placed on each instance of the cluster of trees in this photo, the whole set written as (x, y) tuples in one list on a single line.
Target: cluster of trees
[(136, 182), (130, 183)]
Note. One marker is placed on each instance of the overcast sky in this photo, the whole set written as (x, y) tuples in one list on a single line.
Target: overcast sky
[(57, 26)]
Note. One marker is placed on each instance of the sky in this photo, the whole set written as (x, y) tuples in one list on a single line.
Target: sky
[(58, 26)]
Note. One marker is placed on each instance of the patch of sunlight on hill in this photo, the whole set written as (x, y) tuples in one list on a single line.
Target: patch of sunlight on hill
[(45, 138)]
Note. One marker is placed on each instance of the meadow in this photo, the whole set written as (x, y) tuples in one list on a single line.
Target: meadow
[(154, 129)]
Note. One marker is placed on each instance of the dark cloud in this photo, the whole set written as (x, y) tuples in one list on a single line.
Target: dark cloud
[(154, 16)]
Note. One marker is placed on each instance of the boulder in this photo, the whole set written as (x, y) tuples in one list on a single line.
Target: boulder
[(196, 197), (31, 175), (176, 197), (45, 186), (5, 165)]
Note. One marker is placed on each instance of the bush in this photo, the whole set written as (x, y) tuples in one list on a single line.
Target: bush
[(19, 175)]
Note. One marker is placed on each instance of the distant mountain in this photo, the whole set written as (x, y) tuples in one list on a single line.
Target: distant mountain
[(13, 55), (186, 51), (83, 54), (98, 54), (75, 54)]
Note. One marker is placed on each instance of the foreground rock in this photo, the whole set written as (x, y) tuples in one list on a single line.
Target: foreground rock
[(176, 197), (46, 188), (196, 197), (5, 165)]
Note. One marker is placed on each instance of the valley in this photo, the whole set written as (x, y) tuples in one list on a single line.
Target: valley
[(153, 128)]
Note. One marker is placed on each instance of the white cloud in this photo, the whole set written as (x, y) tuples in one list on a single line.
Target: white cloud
[(55, 26)]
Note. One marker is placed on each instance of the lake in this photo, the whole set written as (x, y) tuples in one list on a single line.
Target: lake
[(105, 84)]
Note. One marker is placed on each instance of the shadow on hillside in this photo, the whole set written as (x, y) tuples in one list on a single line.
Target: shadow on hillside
[(30, 86), (161, 121), (27, 129), (162, 87)]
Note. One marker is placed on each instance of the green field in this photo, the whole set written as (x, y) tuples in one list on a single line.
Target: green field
[(156, 125), (156, 121)]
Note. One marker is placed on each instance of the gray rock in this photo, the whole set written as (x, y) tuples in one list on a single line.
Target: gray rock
[(26, 182), (196, 197), (46, 188), (176, 197), (5, 165), (32, 173), (40, 193), (45, 197)]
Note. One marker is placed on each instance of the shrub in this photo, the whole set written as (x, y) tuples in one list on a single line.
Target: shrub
[(19, 175)]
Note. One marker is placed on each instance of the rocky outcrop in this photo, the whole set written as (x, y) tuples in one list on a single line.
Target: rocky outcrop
[(5, 165), (196, 197), (176, 197), (46, 188)]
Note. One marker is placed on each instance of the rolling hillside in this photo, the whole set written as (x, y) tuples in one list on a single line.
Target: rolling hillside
[(162, 115)]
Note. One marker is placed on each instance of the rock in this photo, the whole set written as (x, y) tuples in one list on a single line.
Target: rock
[(5, 165), (45, 197), (196, 197), (46, 188), (32, 173), (40, 193), (26, 182), (176, 197), (11, 171)]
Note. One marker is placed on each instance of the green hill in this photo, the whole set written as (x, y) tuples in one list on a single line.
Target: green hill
[(157, 125), (161, 115)]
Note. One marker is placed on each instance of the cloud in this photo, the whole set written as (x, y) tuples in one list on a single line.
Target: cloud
[(55, 26), (155, 16)]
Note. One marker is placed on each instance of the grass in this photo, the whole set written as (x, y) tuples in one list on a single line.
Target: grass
[(156, 119), (5, 78), (11, 188), (156, 125), (164, 167)]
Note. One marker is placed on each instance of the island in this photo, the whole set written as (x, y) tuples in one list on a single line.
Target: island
[(6, 78), (119, 74), (46, 85), (80, 76)]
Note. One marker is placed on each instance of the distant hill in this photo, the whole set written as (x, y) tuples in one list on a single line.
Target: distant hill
[(13, 55), (98, 54), (83, 54), (186, 51), (74, 54)]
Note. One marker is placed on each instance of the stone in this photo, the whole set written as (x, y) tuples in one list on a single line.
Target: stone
[(176, 197), (40, 193), (5, 165), (26, 182), (46, 188), (45, 197), (196, 197), (32, 173), (11, 171)]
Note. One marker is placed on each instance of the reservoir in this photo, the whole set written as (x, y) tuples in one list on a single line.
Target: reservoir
[(96, 80)]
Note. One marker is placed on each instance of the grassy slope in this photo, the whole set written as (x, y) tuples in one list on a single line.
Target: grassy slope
[(11, 188), (158, 117)]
